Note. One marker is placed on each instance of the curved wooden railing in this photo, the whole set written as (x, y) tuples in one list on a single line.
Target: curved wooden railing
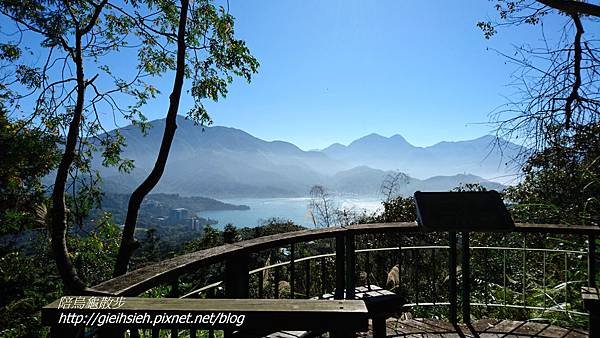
[(343, 258), (140, 280)]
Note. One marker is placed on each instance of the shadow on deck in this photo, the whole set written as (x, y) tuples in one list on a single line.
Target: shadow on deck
[(485, 328), (479, 328)]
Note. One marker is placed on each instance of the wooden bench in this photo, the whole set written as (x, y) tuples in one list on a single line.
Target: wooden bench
[(342, 317)]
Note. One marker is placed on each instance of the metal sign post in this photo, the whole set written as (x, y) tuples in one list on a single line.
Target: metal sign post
[(469, 211)]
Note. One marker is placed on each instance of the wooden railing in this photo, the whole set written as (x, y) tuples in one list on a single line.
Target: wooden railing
[(237, 272)]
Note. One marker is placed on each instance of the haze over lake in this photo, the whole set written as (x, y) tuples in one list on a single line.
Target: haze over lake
[(293, 208)]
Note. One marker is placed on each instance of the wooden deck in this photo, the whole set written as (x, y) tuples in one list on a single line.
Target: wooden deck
[(481, 328), (423, 328)]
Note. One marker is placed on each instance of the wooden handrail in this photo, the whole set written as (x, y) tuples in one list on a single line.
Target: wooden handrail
[(565, 229), (140, 280)]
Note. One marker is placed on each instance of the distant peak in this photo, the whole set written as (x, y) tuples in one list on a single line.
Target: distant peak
[(335, 146), (375, 139), (398, 137), (369, 138), (374, 135)]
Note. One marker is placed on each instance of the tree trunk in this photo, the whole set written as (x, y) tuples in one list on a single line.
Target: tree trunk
[(58, 213), (58, 222), (128, 242)]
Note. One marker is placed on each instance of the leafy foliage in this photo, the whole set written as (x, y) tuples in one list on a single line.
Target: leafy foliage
[(29, 279), (562, 182), (26, 155), (399, 209)]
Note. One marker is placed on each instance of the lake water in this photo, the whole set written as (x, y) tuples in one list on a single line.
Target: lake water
[(295, 209)]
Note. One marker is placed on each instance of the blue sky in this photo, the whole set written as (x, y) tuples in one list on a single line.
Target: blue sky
[(333, 71), (336, 70)]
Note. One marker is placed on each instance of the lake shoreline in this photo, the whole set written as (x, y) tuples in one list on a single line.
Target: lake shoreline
[(295, 209)]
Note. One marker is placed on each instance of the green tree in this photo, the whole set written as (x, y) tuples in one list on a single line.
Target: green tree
[(399, 209), (562, 182), (77, 82), (65, 93), (26, 156), (29, 280), (230, 234), (269, 227), (207, 52), (210, 238)]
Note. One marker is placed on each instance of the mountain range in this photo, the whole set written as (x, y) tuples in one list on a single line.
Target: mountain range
[(486, 156), (227, 162)]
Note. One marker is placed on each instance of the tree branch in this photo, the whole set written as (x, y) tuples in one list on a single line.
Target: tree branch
[(128, 243), (573, 7), (97, 10), (576, 71)]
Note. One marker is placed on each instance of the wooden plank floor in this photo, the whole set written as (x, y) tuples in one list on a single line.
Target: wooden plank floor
[(481, 328)]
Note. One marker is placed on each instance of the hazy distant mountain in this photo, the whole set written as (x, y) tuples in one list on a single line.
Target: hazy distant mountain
[(221, 162), (483, 156), (227, 162), (367, 181)]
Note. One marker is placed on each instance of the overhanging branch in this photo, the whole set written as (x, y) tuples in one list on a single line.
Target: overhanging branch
[(576, 70), (573, 7)]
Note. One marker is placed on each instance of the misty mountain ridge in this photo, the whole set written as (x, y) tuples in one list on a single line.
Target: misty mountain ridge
[(485, 156), (227, 162)]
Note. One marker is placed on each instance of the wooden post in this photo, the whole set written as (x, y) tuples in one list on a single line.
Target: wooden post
[(236, 277), (276, 283), (350, 266), (174, 288), (379, 327), (591, 302), (452, 277), (594, 324), (174, 294), (594, 319), (433, 275), (340, 261), (307, 282), (261, 283), (399, 258), (236, 280), (368, 268), (415, 257), (592, 260), (466, 274), (292, 269), (323, 279)]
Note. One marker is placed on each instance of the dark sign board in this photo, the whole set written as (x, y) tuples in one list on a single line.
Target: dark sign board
[(462, 211)]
